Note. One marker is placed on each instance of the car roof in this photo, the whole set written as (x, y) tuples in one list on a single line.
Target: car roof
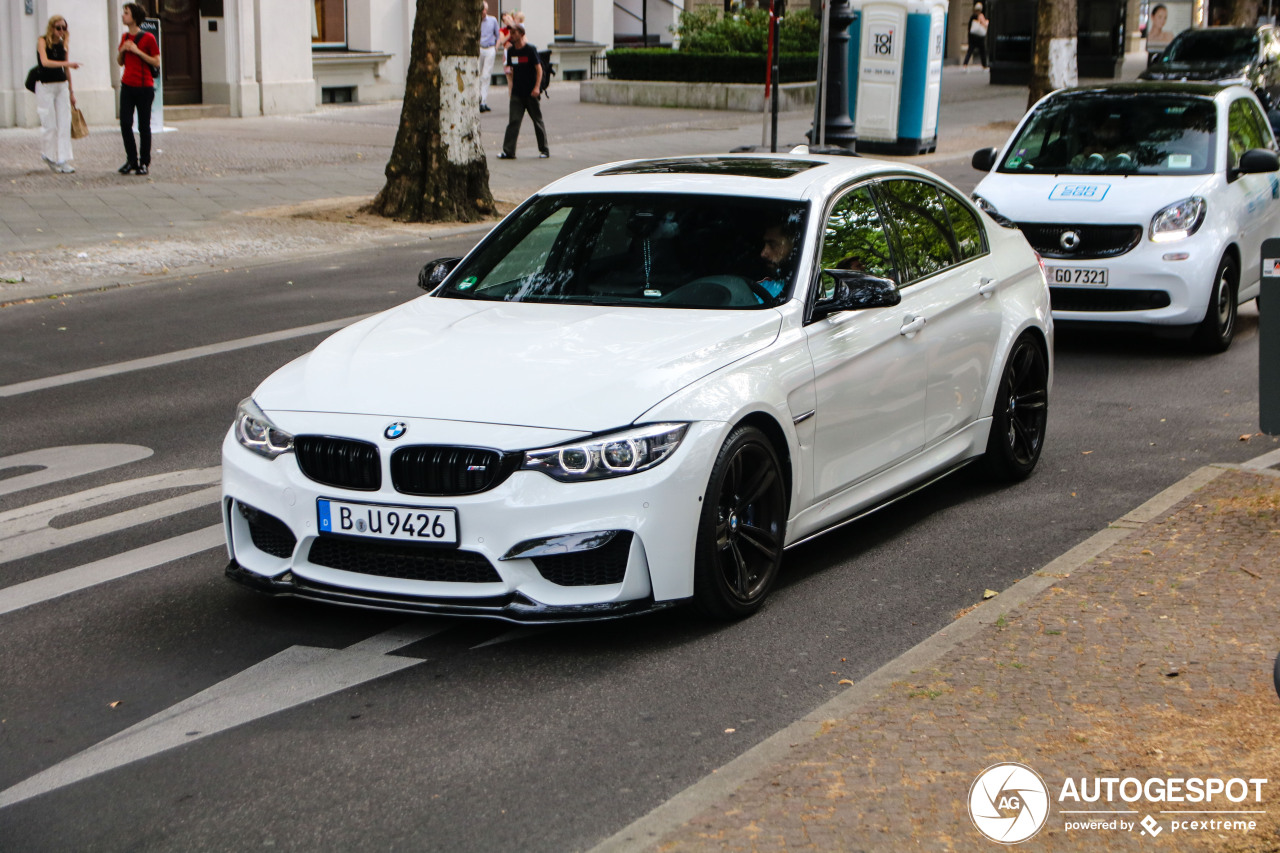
[(794, 176), (1146, 87)]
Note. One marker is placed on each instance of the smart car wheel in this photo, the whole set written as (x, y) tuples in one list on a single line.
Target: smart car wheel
[(742, 529), (1215, 332), (1021, 413)]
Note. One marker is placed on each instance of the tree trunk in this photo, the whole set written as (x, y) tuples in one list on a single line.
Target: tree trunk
[(1054, 63), (437, 171), (1244, 13)]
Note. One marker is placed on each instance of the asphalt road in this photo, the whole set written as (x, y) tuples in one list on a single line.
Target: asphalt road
[(321, 728)]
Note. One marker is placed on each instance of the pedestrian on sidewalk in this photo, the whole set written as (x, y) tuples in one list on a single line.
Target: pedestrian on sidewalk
[(140, 56), (54, 96), (488, 49), (524, 81), (978, 24)]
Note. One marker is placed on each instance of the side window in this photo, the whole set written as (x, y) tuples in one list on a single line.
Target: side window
[(920, 224), (1243, 132), (1262, 127), (855, 239), (970, 238)]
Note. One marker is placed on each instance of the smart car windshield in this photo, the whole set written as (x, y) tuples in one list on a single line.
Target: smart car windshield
[(1213, 47), (658, 250), (1116, 134)]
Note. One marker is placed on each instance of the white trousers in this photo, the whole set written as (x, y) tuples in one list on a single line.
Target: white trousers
[(486, 72), (53, 105)]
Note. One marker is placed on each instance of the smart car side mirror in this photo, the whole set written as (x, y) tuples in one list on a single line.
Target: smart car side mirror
[(856, 290), (1257, 160), (984, 159), (435, 272)]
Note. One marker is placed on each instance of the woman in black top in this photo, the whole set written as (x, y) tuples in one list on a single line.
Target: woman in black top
[(54, 97), (978, 24)]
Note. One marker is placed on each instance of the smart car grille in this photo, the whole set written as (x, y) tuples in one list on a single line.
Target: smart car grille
[(604, 565), (269, 534), (408, 562), (341, 462), (434, 470), (1096, 299), (1090, 241)]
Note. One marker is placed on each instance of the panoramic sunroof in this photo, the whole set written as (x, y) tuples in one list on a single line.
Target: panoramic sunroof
[(742, 167)]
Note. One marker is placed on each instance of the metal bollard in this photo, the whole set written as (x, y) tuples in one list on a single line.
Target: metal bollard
[(1269, 341)]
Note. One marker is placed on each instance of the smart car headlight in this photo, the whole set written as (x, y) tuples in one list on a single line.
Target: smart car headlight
[(1178, 220), (605, 456), (255, 431), (990, 210)]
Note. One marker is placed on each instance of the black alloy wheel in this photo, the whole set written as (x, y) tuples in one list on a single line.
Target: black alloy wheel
[(1021, 412), (1215, 332), (742, 528)]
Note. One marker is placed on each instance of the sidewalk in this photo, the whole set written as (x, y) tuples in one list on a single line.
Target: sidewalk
[(63, 233), (1145, 652)]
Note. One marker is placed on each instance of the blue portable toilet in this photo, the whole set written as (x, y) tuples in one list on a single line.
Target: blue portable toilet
[(895, 74)]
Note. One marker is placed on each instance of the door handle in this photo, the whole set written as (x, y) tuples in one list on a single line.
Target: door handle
[(912, 326), (987, 286)]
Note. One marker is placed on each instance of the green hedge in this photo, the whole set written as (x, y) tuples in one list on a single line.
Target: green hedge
[(687, 67)]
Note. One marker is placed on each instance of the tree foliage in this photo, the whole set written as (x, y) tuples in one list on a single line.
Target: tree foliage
[(706, 30), (437, 171)]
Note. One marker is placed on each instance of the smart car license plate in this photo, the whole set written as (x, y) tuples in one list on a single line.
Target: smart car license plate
[(1078, 276), (428, 525)]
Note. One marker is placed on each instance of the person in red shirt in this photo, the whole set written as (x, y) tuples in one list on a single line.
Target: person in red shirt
[(140, 56)]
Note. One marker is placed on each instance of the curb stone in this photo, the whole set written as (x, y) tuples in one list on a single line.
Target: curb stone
[(644, 832)]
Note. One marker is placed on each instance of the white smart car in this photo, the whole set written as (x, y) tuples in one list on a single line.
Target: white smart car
[(1148, 201), (642, 387)]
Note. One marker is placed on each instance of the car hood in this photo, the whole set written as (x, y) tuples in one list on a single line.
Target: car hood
[(1195, 71), (584, 368), (1115, 199)]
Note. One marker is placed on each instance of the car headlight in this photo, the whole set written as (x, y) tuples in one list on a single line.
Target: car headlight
[(990, 210), (255, 431), (1178, 220), (602, 457)]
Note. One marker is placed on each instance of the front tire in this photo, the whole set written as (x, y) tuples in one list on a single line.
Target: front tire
[(742, 528), (1215, 332), (1021, 413)]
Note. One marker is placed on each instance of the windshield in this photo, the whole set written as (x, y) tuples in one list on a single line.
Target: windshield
[(1213, 47), (667, 251), (1132, 134)]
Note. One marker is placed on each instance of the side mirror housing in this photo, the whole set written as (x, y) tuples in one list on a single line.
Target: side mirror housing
[(855, 291), (1257, 160), (433, 273), (984, 159)]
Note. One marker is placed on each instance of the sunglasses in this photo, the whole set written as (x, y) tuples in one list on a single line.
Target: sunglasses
[(59, 26)]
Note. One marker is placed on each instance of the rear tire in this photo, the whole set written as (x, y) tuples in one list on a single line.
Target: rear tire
[(1215, 332), (742, 528), (1021, 413)]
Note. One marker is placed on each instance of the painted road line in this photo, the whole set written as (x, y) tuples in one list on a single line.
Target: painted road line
[(63, 463), (39, 541), (295, 676), (62, 583), (172, 357)]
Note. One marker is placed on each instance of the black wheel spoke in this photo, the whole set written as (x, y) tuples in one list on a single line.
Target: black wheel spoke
[(760, 539), (759, 485), (742, 579), (1022, 436), (1032, 399)]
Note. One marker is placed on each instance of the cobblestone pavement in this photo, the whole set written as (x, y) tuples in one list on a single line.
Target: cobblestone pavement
[(1151, 660)]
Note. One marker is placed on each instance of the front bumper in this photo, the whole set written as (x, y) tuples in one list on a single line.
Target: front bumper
[(655, 511), (512, 607)]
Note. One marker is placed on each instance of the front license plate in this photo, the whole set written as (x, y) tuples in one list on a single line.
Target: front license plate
[(1078, 276), (400, 523)]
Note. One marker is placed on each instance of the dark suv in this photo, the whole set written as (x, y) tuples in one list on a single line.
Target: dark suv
[(1249, 56)]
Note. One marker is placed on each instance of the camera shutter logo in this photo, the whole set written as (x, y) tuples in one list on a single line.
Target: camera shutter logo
[(1070, 240), (1009, 803)]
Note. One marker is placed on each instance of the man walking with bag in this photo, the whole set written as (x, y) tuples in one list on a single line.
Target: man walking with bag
[(524, 81)]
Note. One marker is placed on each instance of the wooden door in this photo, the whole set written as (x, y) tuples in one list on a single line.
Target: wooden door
[(179, 49)]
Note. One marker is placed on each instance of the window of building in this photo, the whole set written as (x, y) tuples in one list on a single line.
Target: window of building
[(329, 23)]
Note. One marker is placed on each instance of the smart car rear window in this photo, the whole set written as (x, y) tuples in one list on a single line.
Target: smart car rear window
[(740, 167)]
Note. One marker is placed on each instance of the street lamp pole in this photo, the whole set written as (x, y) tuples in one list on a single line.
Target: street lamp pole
[(838, 129)]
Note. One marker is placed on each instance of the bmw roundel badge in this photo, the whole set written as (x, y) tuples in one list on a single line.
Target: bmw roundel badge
[(395, 430)]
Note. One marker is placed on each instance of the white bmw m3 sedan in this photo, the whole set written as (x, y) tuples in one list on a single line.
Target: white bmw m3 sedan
[(640, 389)]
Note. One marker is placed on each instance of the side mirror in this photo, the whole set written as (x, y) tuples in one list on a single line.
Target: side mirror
[(984, 159), (857, 290), (435, 272), (1257, 160)]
